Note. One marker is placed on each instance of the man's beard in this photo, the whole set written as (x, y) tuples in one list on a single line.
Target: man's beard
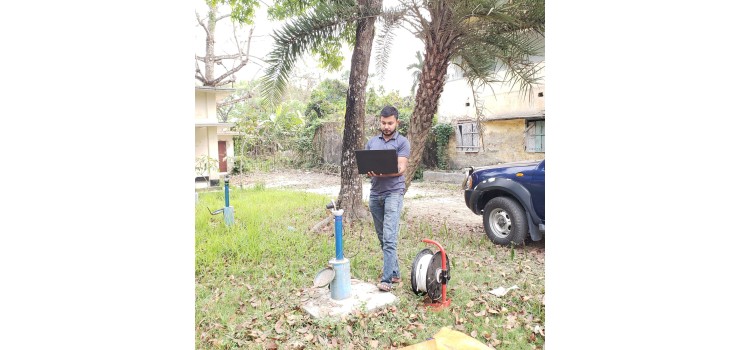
[(388, 133)]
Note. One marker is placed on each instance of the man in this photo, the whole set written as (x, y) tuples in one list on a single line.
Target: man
[(386, 194)]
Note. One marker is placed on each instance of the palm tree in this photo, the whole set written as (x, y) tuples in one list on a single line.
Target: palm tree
[(415, 69), (326, 23), (486, 37)]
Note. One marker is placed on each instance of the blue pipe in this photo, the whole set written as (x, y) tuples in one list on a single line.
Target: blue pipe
[(226, 188), (338, 237)]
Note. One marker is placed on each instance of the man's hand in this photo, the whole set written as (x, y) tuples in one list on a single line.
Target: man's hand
[(373, 174)]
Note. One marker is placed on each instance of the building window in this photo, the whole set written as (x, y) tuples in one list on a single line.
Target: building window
[(466, 135), (535, 136)]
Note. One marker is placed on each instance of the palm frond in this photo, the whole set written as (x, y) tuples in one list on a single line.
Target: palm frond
[(390, 20), (300, 36), (498, 43)]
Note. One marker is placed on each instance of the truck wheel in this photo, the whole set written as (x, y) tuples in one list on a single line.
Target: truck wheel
[(504, 221)]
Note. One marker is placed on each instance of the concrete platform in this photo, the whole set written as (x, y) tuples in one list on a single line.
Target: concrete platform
[(318, 303)]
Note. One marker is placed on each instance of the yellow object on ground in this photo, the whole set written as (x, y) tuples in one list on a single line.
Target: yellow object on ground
[(449, 339)]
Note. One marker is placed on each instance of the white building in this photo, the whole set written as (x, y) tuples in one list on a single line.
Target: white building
[(214, 142)]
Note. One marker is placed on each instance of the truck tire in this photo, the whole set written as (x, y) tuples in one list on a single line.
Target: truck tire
[(505, 221)]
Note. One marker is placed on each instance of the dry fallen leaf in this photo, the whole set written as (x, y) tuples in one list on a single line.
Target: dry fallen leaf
[(474, 334), (323, 340), (308, 337), (374, 344), (470, 304), (510, 322)]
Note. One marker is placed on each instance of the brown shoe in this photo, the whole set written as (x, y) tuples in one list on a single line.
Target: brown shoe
[(385, 287), (393, 279)]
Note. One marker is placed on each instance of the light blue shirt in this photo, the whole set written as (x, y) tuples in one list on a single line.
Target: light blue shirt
[(398, 142)]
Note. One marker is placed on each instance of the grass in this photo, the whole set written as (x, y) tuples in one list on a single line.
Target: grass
[(250, 278)]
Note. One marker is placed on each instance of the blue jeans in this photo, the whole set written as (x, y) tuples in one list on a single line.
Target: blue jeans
[(386, 210)]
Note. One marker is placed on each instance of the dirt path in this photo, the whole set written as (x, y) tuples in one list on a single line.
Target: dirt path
[(430, 202)]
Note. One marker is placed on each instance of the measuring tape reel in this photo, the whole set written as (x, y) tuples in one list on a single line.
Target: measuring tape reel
[(427, 275)]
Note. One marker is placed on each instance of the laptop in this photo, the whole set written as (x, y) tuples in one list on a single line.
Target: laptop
[(383, 161)]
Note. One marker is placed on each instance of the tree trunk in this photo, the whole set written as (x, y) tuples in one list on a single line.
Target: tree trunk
[(427, 98), (438, 43), (210, 41), (350, 193)]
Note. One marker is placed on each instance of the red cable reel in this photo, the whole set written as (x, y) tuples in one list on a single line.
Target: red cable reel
[(430, 273)]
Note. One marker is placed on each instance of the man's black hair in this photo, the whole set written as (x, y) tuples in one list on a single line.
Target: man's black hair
[(389, 111)]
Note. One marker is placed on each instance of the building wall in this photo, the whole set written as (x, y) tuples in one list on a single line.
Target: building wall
[(327, 142), (206, 143), (205, 105), (504, 103), (206, 137), (503, 141)]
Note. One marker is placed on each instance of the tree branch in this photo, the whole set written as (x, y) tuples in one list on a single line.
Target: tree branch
[(245, 97), (198, 73), (200, 21), (230, 72), (422, 24), (224, 82), (243, 60), (227, 57), (321, 224), (249, 42), (222, 17)]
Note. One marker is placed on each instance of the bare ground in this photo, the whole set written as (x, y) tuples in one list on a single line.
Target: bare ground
[(433, 203)]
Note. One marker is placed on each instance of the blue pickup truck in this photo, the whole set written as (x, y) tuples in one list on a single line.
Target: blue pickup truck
[(511, 198)]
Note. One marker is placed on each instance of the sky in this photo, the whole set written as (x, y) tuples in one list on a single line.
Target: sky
[(397, 77)]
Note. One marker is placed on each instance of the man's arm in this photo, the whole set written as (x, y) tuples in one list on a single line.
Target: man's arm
[(402, 163)]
